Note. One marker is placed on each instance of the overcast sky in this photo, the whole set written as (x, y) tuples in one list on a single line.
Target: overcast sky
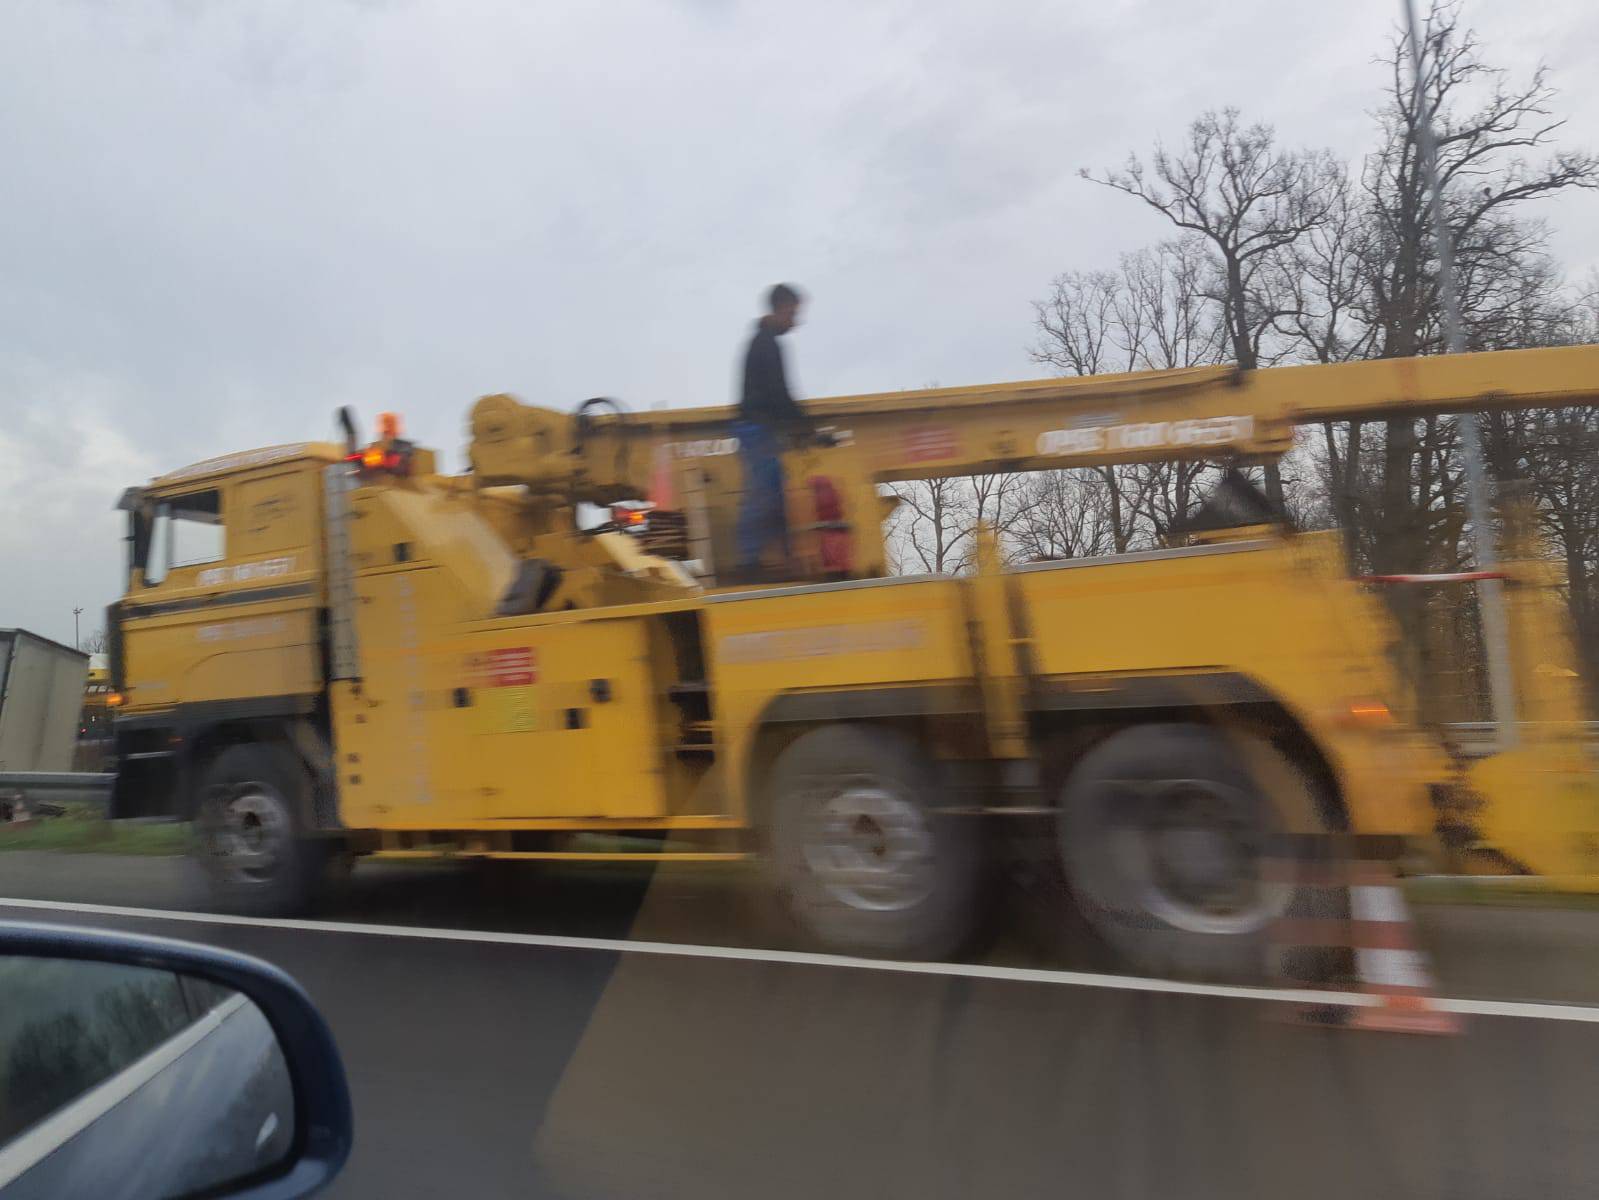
[(220, 221)]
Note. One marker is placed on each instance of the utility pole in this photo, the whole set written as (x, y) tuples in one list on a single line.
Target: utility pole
[(1479, 504), (77, 640)]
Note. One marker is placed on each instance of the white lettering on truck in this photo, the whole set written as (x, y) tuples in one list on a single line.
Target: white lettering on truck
[(233, 631), (1147, 435), (704, 448), (269, 568), (823, 641)]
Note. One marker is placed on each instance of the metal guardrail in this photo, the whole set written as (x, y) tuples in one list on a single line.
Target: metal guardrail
[(1476, 738), (62, 787), (1485, 727)]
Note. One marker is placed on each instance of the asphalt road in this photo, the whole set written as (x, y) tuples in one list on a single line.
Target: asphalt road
[(506, 1068)]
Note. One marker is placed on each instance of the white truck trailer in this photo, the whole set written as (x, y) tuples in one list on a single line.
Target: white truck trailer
[(41, 700)]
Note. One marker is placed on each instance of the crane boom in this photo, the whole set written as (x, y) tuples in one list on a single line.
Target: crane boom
[(1217, 413)]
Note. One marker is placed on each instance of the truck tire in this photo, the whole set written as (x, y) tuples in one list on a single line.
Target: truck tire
[(863, 857), (249, 835), (1161, 829)]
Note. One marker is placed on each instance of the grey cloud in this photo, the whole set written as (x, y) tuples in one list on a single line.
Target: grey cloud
[(221, 221)]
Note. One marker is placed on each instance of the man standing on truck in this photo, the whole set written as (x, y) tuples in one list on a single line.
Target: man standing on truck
[(767, 416)]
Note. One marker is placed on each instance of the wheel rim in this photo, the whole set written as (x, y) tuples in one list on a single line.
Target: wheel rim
[(250, 832), (869, 847), (1194, 847)]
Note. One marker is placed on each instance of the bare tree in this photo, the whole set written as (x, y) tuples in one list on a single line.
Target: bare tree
[(997, 501), (927, 528), (1284, 254), (1321, 278), (1152, 313), (1077, 322), (94, 642), (1065, 516), (1168, 315), (934, 527), (1495, 154), (1248, 199), (1487, 129)]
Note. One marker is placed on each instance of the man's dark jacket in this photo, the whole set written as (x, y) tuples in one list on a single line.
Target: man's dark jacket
[(765, 399)]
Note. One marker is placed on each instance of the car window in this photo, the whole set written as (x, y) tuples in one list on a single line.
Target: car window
[(66, 1026), (187, 531)]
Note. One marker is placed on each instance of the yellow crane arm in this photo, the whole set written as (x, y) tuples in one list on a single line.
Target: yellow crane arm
[(1216, 413)]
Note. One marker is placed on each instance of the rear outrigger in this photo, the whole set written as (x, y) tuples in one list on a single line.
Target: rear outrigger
[(333, 651)]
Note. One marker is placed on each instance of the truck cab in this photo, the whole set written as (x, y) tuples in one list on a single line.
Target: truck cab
[(219, 633)]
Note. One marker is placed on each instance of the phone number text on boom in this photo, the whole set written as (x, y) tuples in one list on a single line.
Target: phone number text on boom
[(1147, 435)]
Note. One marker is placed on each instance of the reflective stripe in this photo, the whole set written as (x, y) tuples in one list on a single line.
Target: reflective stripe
[(1370, 903), (1393, 969)]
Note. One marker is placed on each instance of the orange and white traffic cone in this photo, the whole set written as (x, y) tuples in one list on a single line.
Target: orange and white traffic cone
[(1377, 936), (1388, 963)]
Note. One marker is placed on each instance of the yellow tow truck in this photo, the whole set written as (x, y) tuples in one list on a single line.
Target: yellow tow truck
[(330, 651)]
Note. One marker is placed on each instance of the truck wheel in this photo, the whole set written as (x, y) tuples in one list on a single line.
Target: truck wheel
[(1161, 832), (863, 858), (249, 837)]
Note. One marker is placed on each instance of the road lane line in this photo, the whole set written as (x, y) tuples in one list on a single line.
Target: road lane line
[(1526, 1010)]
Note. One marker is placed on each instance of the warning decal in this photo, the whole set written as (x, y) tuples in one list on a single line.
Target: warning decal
[(502, 683), (512, 666), (929, 443)]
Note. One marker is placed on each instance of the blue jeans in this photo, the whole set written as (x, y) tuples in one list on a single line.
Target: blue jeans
[(762, 518)]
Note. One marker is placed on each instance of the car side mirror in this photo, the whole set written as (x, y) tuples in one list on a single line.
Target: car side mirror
[(149, 1069)]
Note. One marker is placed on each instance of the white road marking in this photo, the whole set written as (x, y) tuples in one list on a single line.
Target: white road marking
[(1527, 1010)]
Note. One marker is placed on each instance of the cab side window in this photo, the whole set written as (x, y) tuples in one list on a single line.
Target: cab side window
[(187, 531)]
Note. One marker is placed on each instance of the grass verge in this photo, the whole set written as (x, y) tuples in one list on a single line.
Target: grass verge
[(83, 833), (1489, 890)]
